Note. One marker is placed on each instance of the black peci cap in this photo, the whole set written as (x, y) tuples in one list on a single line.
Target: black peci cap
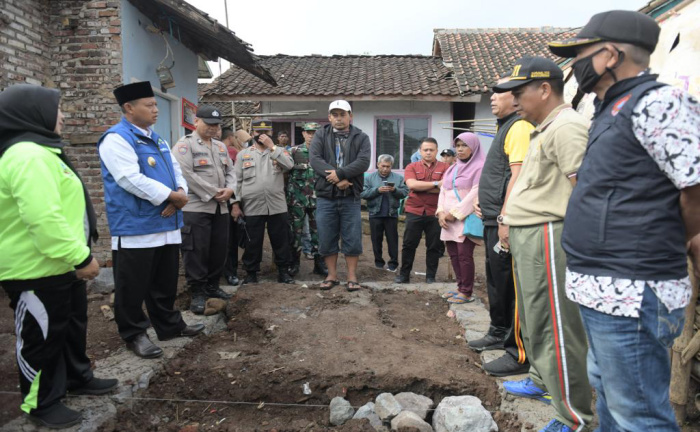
[(630, 27), (130, 92), (528, 69), (209, 115), (447, 152)]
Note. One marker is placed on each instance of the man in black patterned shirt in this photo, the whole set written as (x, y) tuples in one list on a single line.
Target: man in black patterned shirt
[(632, 219)]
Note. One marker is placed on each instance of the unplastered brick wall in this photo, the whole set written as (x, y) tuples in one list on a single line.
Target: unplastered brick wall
[(24, 48), (86, 66)]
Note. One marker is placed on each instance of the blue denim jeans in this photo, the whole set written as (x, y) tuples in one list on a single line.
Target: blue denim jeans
[(629, 366), (339, 219)]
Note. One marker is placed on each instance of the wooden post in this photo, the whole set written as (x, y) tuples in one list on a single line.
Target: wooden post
[(680, 373)]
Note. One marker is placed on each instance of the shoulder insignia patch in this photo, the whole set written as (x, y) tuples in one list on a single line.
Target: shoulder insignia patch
[(182, 149), (619, 104)]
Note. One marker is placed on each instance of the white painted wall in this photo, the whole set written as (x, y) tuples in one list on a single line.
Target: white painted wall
[(364, 113)]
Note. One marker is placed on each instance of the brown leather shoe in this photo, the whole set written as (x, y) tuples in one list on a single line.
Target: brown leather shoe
[(142, 346)]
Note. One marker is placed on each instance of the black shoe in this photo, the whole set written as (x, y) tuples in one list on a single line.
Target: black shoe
[(430, 279), (212, 291), (379, 266), (320, 266), (199, 301), (392, 268), (142, 346), (284, 277), (486, 343), (57, 416), (232, 280), (294, 269), (192, 330), (250, 278), (96, 386), (189, 331), (402, 279), (505, 365)]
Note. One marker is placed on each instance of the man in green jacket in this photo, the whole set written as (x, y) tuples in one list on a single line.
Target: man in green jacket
[(46, 223), (384, 191)]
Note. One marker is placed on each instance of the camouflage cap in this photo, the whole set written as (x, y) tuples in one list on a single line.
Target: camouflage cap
[(311, 126)]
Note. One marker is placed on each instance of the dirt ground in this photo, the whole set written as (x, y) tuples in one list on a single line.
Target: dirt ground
[(281, 337)]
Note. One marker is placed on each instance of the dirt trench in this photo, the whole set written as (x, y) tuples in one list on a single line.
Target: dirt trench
[(355, 345)]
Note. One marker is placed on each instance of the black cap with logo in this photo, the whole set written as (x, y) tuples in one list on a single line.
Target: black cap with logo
[(209, 114), (630, 27), (529, 69)]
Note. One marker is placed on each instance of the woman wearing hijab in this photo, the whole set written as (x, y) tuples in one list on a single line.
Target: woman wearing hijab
[(46, 223), (460, 185)]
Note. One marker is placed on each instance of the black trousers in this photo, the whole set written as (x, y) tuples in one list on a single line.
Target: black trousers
[(277, 231), (231, 266), (205, 239), (146, 275), (51, 327), (500, 287), (415, 226), (379, 227)]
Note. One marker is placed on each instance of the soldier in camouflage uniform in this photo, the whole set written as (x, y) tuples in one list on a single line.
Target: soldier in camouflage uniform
[(301, 200)]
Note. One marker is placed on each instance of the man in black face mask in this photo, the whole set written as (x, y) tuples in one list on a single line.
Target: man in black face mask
[(632, 219)]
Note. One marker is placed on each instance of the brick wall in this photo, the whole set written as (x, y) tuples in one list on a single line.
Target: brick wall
[(86, 65), (24, 48)]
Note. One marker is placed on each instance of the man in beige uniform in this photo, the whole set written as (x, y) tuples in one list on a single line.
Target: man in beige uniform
[(531, 225), (260, 198), (208, 170)]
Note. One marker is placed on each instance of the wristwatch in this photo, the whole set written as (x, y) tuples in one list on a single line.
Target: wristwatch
[(499, 219), (436, 184)]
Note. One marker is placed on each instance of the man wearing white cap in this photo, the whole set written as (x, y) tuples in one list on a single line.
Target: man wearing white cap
[(340, 154)]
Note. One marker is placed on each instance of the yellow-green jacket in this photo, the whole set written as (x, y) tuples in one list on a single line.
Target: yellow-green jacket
[(42, 215)]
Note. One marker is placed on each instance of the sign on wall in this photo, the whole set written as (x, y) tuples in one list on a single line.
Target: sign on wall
[(189, 111)]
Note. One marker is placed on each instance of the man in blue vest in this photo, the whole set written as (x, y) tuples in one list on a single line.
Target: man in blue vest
[(144, 192), (632, 219)]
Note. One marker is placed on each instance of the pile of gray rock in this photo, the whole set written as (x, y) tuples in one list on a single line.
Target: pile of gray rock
[(410, 411)]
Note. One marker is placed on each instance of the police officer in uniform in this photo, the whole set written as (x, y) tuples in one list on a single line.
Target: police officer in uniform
[(260, 198), (301, 200), (208, 169)]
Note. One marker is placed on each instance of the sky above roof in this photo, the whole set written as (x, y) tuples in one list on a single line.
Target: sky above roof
[(385, 26)]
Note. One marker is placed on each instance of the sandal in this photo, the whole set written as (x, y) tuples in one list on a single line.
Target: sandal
[(353, 286), (328, 284), (449, 294), (461, 299)]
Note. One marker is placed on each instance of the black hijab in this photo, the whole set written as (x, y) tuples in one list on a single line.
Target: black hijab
[(29, 113)]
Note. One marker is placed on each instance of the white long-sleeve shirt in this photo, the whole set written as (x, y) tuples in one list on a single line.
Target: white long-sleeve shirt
[(122, 162)]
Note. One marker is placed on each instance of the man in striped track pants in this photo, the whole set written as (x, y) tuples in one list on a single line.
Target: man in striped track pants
[(552, 332)]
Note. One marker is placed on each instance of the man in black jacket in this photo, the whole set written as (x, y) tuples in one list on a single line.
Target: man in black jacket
[(340, 154)]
